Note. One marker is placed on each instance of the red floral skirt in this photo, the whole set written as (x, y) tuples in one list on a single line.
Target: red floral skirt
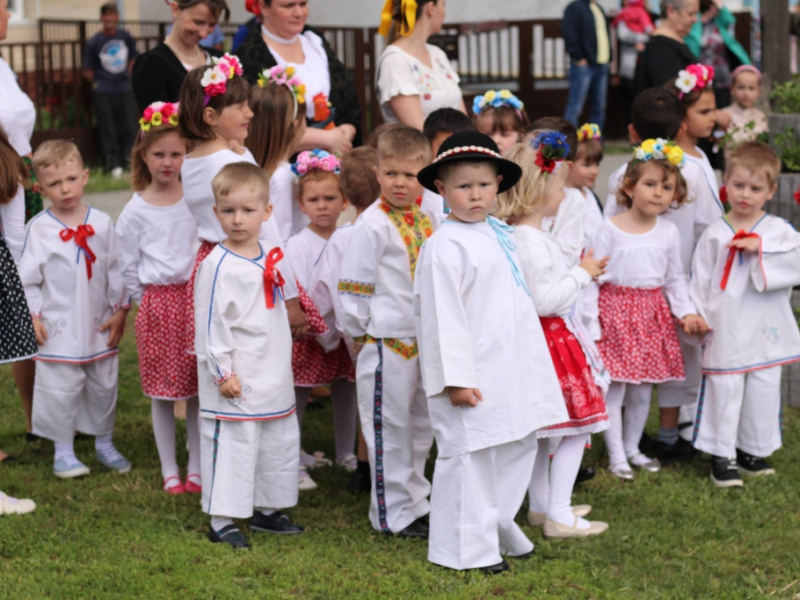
[(639, 343), (583, 397), (167, 370)]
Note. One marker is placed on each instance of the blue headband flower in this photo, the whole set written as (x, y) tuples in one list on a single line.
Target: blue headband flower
[(496, 99), (551, 148)]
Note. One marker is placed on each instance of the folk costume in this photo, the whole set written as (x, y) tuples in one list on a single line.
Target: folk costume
[(375, 289), (745, 299), (73, 284), (473, 315), (250, 444), (286, 211)]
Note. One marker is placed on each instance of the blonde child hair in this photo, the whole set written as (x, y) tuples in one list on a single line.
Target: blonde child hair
[(756, 157), (241, 175), (404, 143), (55, 152)]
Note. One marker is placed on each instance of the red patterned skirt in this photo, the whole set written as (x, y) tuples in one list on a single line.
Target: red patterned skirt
[(583, 397), (639, 343), (167, 370)]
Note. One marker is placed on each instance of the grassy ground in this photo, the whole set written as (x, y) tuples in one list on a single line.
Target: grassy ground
[(673, 535), (102, 181)]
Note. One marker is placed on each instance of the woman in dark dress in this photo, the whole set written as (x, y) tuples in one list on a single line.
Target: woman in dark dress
[(284, 38), (158, 73)]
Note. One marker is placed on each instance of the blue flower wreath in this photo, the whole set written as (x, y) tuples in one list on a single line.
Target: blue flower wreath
[(496, 99)]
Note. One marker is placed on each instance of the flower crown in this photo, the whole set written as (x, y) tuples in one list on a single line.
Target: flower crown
[(694, 78), (286, 76), (551, 148), (589, 131), (659, 149), (159, 113), (215, 78), (496, 99), (316, 159)]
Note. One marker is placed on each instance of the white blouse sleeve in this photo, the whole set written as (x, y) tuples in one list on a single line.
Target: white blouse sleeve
[(395, 76), (676, 284), (129, 257)]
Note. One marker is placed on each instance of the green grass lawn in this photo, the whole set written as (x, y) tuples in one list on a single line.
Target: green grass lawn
[(672, 535)]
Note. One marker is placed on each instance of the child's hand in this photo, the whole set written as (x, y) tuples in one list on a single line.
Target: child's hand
[(723, 120), (464, 396), (695, 325), (115, 326), (593, 266), (746, 244), (40, 331), (231, 387), (298, 322)]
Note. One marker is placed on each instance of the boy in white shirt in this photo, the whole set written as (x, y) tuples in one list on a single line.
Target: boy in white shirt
[(77, 299), (249, 437)]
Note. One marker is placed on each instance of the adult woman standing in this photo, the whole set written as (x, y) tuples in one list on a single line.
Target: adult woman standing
[(415, 78), (159, 72), (285, 39), (17, 119)]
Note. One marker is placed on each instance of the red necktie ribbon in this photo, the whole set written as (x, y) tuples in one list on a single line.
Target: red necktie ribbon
[(80, 233), (273, 280), (740, 235)]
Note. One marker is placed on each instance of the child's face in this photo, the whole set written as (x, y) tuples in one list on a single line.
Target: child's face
[(747, 192), (746, 89), (398, 180), (503, 139), (164, 158), (241, 213), (323, 202), (554, 193), (63, 185), (470, 190), (231, 123), (701, 116), (652, 194), (437, 140), (583, 173)]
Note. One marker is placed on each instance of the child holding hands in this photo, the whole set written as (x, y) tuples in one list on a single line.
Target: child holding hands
[(743, 271), (75, 293)]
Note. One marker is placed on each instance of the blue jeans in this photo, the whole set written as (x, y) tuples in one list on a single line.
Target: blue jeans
[(587, 80)]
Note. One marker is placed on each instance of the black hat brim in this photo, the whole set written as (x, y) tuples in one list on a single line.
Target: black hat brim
[(510, 171)]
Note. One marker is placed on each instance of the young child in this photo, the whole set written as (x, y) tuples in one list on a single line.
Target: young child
[(215, 117), (486, 398), (442, 123), (375, 288), (583, 174), (75, 293), (555, 291), (500, 115), (279, 122), (639, 344), (361, 189), (249, 435), (747, 121), (157, 243), (743, 271), (316, 362)]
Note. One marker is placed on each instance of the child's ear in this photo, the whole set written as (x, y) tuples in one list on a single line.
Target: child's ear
[(209, 116), (440, 186), (216, 212), (85, 177), (772, 192), (634, 137), (267, 211), (682, 130)]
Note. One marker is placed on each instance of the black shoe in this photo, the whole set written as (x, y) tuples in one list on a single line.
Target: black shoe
[(230, 535), (679, 451), (724, 472), (31, 437), (417, 529), (523, 556), (647, 445), (584, 474), (752, 465), (277, 522), (359, 480), (500, 567)]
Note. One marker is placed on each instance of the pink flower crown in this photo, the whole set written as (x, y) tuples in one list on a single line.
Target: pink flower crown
[(215, 79), (282, 75), (694, 78), (316, 159), (159, 113)]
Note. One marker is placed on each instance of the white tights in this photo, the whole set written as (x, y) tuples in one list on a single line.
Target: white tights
[(345, 416), (163, 412), (551, 484), (623, 442)]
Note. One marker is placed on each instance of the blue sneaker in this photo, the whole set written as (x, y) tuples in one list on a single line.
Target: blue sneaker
[(110, 458), (68, 467)]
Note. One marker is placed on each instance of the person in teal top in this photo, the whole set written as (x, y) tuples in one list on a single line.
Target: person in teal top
[(725, 21)]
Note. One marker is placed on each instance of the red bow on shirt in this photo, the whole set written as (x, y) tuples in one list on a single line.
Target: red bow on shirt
[(80, 233), (740, 235), (273, 280)]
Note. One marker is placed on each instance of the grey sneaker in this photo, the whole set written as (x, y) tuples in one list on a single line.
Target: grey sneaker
[(110, 458), (69, 467)]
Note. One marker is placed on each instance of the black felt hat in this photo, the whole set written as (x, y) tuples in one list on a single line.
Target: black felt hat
[(470, 145)]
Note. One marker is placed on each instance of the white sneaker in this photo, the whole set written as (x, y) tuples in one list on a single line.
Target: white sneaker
[(349, 463), (15, 506), (304, 481)]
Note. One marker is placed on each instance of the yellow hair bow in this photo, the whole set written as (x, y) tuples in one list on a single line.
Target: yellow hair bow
[(408, 17)]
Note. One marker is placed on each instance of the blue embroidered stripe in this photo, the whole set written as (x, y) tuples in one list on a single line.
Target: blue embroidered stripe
[(502, 232), (377, 417)]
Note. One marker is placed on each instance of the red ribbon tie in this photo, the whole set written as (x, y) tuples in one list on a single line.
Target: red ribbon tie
[(740, 235), (273, 280), (80, 233)]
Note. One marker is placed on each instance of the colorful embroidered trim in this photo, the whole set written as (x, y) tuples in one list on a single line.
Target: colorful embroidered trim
[(356, 288), (215, 78), (659, 149), (471, 149), (496, 99), (694, 78), (408, 17), (407, 351), (223, 378), (589, 131), (414, 227), (159, 113), (316, 159), (377, 425), (551, 148)]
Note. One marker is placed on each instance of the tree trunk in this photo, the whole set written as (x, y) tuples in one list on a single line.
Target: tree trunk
[(775, 40)]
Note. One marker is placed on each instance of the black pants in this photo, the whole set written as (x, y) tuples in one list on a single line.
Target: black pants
[(117, 123)]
